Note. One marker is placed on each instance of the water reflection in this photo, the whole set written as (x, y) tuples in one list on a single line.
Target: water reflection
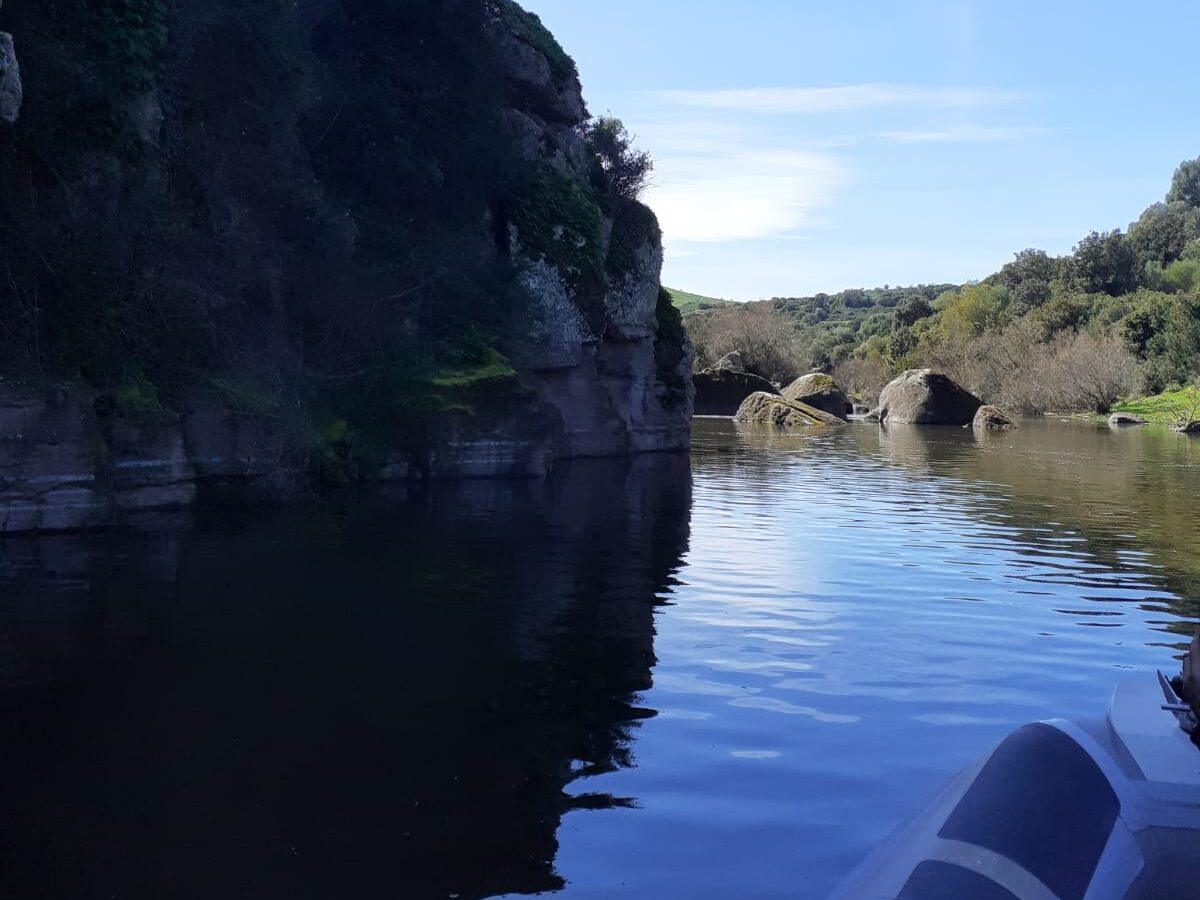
[(392, 700), (1124, 498), (410, 698)]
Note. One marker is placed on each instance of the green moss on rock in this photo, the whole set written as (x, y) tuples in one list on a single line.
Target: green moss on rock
[(137, 399), (133, 34), (634, 226), (529, 29), (557, 220), (670, 343), (491, 367), (770, 409)]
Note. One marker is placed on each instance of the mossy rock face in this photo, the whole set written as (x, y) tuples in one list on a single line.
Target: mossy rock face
[(558, 222), (527, 27), (992, 418), (670, 349), (634, 228), (819, 390), (771, 409)]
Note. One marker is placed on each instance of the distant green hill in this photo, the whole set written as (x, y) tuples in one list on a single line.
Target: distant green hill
[(832, 326), (689, 304)]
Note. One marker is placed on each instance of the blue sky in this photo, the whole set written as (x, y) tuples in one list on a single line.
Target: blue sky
[(805, 145)]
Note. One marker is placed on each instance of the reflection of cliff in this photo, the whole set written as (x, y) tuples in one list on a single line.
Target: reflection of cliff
[(388, 702)]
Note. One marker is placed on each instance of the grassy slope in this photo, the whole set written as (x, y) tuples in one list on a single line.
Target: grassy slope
[(1166, 408), (688, 304)]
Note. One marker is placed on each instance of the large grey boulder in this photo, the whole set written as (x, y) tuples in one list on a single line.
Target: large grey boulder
[(926, 397), (771, 409), (992, 418), (819, 390), (721, 392), (11, 91)]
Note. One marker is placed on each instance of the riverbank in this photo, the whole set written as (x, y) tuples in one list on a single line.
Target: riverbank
[(1167, 408)]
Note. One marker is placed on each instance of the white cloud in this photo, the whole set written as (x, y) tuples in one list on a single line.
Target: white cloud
[(812, 100), (742, 194), (958, 135)]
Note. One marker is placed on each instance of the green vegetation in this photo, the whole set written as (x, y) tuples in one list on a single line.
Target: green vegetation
[(1167, 408), (478, 365), (620, 168), (689, 304), (133, 34), (669, 342), (309, 210), (1079, 332), (831, 326), (634, 226), (137, 399), (557, 220)]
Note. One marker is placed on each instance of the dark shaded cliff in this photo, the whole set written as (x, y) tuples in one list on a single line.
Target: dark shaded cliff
[(369, 233)]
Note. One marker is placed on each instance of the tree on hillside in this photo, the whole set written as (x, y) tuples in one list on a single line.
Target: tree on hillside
[(1185, 186), (1104, 262), (911, 310), (855, 298), (623, 169), (1028, 279), (971, 311), (1163, 231), (902, 337)]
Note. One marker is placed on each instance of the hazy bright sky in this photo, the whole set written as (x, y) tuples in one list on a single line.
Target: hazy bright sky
[(815, 145)]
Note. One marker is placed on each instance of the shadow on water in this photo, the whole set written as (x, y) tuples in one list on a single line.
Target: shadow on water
[(390, 700)]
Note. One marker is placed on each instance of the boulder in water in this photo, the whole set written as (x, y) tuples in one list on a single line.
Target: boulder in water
[(992, 418), (926, 397), (1191, 427), (1118, 419), (819, 390), (771, 409), (720, 393)]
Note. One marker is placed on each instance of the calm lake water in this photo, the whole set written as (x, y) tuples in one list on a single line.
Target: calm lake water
[(647, 679)]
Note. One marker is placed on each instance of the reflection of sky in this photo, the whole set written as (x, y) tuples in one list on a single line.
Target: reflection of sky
[(858, 617)]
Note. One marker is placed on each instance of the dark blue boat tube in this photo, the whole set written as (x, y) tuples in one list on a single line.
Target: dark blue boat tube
[(1106, 810)]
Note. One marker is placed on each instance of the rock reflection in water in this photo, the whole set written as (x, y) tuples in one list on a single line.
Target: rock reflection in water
[(389, 701)]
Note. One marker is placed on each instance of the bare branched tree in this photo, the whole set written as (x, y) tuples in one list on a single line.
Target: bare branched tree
[(765, 338)]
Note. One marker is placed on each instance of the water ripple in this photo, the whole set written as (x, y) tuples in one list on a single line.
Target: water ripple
[(860, 614)]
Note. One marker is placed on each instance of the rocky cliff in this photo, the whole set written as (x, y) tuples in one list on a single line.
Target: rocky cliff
[(263, 245)]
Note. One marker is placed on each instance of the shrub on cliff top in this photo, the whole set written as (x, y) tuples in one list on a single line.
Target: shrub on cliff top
[(623, 170)]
